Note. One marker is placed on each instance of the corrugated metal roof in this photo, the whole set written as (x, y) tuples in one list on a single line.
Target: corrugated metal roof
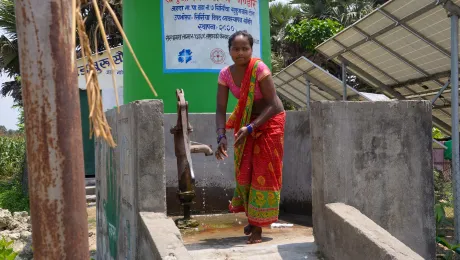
[(403, 49)]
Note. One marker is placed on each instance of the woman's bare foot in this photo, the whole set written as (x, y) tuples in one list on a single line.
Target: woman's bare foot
[(256, 235), (248, 229)]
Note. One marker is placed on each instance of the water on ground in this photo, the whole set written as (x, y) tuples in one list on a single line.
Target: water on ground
[(220, 237)]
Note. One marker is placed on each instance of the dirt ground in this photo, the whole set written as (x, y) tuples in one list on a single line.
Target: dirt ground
[(92, 229)]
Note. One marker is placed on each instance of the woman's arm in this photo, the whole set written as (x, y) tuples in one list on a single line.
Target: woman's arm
[(274, 105), (221, 109)]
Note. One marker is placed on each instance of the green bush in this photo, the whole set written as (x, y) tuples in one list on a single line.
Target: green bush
[(441, 222), (6, 250), (11, 156), (443, 189), (12, 151)]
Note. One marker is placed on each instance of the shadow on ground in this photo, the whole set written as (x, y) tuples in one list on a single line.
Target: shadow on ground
[(223, 243), (299, 251)]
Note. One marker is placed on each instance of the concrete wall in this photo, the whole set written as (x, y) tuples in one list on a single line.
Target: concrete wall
[(159, 238), (353, 236), (375, 157), (130, 177), (215, 180)]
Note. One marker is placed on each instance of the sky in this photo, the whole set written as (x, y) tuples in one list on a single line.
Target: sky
[(9, 115)]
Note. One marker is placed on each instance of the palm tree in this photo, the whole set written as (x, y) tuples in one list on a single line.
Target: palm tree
[(280, 16), (9, 56), (320, 9), (346, 12)]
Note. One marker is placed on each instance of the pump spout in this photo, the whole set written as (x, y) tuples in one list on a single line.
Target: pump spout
[(201, 148)]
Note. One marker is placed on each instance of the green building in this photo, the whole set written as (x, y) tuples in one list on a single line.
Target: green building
[(160, 30), (181, 44)]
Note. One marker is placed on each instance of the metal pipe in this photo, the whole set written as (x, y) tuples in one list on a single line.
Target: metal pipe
[(455, 133), (53, 129), (344, 80), (308, 95), (201, 148), (440, 92)]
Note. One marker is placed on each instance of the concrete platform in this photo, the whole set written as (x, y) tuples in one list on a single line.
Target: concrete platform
[(220, 237)]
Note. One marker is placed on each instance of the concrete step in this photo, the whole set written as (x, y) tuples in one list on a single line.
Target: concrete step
[(90, 181), (90, 190), (90, 198)]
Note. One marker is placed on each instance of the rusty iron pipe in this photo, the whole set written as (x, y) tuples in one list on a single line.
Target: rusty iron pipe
[(201, 148), (53, 129)]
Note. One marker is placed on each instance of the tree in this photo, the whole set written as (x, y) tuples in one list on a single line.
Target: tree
[(9, 55), (304, 36), (280, 16), (21, 121), (346, 12), (309, 33)]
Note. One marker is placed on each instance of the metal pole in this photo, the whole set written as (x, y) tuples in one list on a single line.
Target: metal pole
[(455, 133), (53, 129), (308, 94), (440, 92), (344, 80)]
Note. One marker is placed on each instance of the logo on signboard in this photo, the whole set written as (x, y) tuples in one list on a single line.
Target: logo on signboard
[(217, 56), (185, 56)]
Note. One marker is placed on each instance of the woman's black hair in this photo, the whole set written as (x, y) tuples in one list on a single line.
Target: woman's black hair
[(238, 33)]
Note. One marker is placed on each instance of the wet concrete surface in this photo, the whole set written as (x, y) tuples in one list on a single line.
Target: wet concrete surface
[(220, 237)]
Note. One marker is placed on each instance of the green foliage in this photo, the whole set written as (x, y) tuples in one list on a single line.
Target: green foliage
[(12, 151), (442, 189), (346, 12), (21, 120), (309, 33), (6, 250), (12, 198), (280, 15), (436, 133), (11, 155), (441, 222)]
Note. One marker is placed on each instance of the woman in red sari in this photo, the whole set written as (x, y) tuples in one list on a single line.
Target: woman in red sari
[(258, 122)]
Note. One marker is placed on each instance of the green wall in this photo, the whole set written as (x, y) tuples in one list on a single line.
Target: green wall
[(142, 24), (88, 144)]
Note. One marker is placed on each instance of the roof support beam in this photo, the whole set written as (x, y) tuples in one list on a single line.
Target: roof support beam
[(385, 30), (452, 8), (318, 83), (416, 33), (428, 93), (370, 78), (442, 107), (438, 75), (441, 125), (381, 85)]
